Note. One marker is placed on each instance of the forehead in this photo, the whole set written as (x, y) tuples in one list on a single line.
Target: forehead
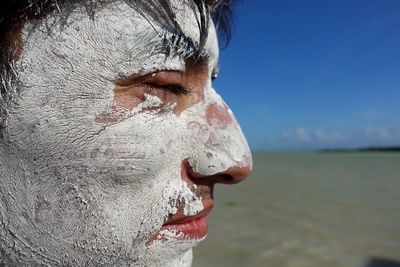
[(129, 28)]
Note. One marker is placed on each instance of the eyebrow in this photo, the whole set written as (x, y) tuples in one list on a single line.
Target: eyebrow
[(182, 46), (170, 44)]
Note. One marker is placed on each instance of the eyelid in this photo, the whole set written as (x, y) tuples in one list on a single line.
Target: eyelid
[(130, 80), (171, 80), (165, 78)]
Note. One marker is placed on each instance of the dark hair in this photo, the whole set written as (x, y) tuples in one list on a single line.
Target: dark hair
[(14, 13)]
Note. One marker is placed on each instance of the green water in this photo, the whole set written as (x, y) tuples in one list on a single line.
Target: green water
[(307, 209)]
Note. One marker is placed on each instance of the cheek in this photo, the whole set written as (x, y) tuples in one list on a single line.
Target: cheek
[(130, 170), (140, 146), (131, 100)]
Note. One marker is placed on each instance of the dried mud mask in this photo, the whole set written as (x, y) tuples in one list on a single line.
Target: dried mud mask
[(91, 178)]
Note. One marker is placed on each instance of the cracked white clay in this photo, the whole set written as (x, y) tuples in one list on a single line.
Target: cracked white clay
[(88, 180)]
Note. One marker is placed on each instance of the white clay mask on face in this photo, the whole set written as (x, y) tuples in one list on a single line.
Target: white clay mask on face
[(93, 177)]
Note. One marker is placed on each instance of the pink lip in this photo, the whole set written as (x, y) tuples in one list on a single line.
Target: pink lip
[(194, 229), (185, 227)]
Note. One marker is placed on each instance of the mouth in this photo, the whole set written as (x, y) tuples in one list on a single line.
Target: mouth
[(181, 227)]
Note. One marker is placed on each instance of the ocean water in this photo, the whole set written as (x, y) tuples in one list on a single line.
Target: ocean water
[(308, 209)]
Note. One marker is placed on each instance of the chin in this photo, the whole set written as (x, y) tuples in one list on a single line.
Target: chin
[(169, 252)]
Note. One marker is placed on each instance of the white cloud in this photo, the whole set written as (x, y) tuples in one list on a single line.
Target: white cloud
[(326, 137), (298, 135), (369, 136), (380, 133), (302, 135)]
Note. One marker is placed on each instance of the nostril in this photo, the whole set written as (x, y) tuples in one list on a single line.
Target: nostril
[(231, 175), (237, 174), (219, 178), (225, 179)]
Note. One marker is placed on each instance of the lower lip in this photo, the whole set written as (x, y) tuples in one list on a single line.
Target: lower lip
[(195, 229)]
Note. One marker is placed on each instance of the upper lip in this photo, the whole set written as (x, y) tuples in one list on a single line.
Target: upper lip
[(179, 217), (201, 190)]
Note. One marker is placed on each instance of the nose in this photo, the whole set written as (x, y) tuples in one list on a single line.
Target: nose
[(236, 174), (232, 175), (225, 156)]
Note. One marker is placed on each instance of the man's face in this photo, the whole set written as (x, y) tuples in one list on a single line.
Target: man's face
[(115, 144)]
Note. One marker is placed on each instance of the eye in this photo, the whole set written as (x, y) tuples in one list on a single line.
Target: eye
[(163, 80), (173, 88), (215, 73)]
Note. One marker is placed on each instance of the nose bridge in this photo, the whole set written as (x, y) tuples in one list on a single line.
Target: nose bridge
[(218, 114), (226, 152)]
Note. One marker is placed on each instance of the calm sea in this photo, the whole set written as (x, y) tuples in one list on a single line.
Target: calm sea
[(308, 209)]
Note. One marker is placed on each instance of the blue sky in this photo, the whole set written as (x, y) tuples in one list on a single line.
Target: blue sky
[(307, 74)]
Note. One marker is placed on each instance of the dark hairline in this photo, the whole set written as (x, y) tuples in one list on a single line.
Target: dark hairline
[(159, 11)]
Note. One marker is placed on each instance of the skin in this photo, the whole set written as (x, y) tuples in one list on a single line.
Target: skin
[(100, 152)]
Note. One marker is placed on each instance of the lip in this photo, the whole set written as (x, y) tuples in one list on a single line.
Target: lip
[(185, 227), (190, 230)]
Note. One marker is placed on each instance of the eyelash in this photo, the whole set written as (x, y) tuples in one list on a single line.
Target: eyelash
[(176, 89), (173, 88)]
